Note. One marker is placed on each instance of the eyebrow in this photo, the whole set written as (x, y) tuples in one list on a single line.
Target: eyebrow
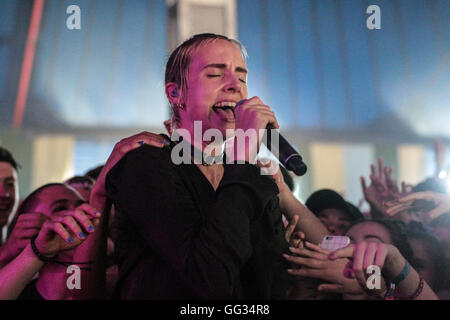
[(373, 236), (9, 179), (60, 201), (224, 66)]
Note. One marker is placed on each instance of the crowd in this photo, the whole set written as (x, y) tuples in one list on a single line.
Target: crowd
[(144, 227)]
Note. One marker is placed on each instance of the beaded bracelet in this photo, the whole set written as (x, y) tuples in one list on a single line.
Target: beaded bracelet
[(416, 293)]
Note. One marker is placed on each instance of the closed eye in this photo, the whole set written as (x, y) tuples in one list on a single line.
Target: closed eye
[(60, 208)]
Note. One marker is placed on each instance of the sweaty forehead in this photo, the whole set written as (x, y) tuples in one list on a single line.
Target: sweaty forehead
[(216, 52)]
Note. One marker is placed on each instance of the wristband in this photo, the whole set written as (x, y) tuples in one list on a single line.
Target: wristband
[(38, 254), (416, 293), (402, 274)]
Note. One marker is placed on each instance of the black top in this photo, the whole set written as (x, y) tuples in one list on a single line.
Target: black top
[(178, 238), (30, 292)]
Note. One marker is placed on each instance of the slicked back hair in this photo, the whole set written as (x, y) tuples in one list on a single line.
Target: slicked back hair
[(178, 63)]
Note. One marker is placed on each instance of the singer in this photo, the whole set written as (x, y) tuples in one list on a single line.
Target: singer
[(201, 230)]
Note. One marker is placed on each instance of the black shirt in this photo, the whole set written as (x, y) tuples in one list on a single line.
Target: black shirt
[(178, 238)]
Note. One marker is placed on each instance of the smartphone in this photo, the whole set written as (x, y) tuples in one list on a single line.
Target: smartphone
[(333, 243)]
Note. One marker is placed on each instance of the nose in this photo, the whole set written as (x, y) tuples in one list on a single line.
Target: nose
[(233, 85)]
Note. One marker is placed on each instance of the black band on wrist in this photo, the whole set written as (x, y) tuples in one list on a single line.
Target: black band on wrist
[(38, 254)]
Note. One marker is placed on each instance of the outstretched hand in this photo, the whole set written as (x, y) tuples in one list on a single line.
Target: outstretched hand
[(98, 194), (383, 188), (364, 254), (312, 262), (430, 205)]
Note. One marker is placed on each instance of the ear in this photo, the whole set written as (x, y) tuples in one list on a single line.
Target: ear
[(173, 93)]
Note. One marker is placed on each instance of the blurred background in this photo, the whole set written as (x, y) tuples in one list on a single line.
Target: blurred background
[(343, 94)]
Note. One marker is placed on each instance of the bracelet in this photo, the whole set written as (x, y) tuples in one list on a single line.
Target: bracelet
[(51, 259), (402, 274), (38, 254), (416, 293)]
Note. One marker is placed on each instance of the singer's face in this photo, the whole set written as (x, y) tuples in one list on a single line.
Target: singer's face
[(216, 78)]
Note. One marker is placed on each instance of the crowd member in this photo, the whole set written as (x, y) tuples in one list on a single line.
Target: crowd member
[(333, 211), (82, 184), (395, 269), (315, 263), (429, 260), (51, 240), (9, 191), (94, 172), (210, 231), (61, 205)]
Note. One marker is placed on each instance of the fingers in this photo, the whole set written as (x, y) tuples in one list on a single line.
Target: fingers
[(135, 141), (31, 220), (316, 248), (369, 255), (310, 263), (70, 223), (308, 253), (331, 288), (363, 184), (307, 273), (79, 221), (89, 210), (381, 255), (47, 231), (346, 252), (28, 233), (380, 168), (264, 111), (426, 195), (290, 229), (358, 260), (395, 209)]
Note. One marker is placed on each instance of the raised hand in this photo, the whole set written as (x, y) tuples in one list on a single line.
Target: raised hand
[(430, 205), (26, 227), (382, 189), (66, 230), (98, 194)]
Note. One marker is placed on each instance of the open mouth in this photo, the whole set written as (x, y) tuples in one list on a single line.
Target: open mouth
[(225, 110), (227, 105)]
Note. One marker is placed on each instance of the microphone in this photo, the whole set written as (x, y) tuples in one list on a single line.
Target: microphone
[(287, 155)]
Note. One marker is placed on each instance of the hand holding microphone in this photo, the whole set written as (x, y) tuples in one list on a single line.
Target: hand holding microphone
[(286, 154)]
